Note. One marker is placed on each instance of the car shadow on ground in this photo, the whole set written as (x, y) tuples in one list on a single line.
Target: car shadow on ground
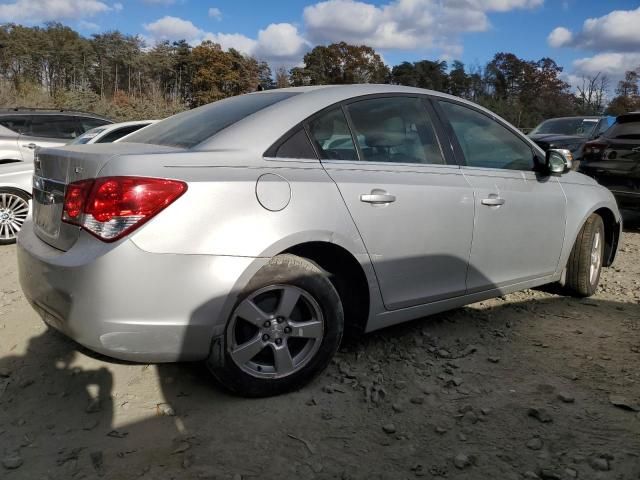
[(331, 428)]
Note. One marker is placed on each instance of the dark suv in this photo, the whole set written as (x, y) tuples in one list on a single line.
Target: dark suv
[(570, 133), (614, 160), (22, 130)]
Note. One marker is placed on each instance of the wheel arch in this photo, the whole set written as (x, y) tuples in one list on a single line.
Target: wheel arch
[(347, 275), (612, 231)]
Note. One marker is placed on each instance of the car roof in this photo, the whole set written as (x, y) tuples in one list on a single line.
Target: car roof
[(266, 126), (114, 126), (36, 111), (590, 117)]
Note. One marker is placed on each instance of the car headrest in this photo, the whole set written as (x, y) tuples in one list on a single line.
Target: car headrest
[(389, 133)]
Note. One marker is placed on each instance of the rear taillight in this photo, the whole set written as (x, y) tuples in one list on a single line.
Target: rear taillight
[(594, 149), (112, 207)]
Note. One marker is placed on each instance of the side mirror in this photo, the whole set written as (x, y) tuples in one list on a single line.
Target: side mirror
[(558, 161)]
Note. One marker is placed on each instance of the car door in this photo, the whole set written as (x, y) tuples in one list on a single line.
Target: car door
[(414, 211), (520, 215)]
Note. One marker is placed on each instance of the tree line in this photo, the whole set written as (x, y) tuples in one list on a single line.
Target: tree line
[(117, 75)]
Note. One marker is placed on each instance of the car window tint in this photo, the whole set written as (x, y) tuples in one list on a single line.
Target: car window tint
[(395, 129), (87, 123), (296, 146), (332, 136), (119, 133), (486, 143), (190, 128), (17, 123), (625, 130), (54, 126)]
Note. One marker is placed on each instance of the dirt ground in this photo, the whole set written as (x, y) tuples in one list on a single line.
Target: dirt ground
[(531, 385)]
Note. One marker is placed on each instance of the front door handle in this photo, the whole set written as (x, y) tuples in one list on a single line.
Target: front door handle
[(636, 149), (377, 198), (493, 201), (31, 146)]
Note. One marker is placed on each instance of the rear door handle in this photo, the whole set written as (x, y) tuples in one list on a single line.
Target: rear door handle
[(635, 149), (493, 201), (377, 198), (31, 146)]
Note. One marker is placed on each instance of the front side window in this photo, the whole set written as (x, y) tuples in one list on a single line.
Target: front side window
[(332, 137), (486, 143), (395, 129), (88, 123)]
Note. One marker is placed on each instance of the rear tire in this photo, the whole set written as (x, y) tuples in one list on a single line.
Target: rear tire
[(14, 208), (284, 330), (585, 262)]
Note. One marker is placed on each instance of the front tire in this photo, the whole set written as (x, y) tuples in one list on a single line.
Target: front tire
[(14, 209), (284, 330), (585, 262)]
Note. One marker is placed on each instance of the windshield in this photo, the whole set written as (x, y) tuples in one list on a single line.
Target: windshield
[(188, 129), (582, 127), (87, 136)]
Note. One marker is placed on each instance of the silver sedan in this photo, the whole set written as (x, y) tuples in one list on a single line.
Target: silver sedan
[(252, 232)]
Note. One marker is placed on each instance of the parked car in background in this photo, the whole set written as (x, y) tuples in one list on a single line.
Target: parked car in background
[(15, 195), (22, 130), (111, 133), (271, 222), (614, 160), (570, 133), (16, 178)]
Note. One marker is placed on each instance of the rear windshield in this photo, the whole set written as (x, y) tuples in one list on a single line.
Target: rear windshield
[(627, 129), (582, 127), (188, 129), (86, 136)]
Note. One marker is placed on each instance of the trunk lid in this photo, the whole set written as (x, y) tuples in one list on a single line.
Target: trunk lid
[(55, 168)]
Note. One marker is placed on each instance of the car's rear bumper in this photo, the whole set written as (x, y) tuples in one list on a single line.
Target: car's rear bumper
[(127, 303)]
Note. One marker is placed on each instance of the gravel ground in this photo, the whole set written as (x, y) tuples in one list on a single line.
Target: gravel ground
[(531, 385)]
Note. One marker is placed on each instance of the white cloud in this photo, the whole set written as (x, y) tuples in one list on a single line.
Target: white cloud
[(613, 64), (559, 37), (38, 11), (617, 31), (403, 24), (238, 41), (215, 13), (173, 28), (278, 42)]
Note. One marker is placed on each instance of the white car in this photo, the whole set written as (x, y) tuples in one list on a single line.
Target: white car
[(16, 178), (110, 133)]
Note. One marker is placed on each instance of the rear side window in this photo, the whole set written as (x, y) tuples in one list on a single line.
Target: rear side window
[(486, 143), (188, 129), (119, 133), (296, 146), (55, 126), (394, 129), (17, 123), (332, 137), (629, 130)]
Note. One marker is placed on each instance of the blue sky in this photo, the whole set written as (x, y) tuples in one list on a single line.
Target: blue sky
[(584, 36)]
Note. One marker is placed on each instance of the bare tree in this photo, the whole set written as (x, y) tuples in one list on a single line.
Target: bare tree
[(592, 93), (282, 77)]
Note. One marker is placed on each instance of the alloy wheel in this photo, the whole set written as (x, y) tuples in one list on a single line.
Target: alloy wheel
[(596, 258), (275, 331), (13, 213)]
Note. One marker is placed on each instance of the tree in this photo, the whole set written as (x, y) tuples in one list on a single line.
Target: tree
[(340, 63), (282, 78), (627, 98), (591, 94)]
